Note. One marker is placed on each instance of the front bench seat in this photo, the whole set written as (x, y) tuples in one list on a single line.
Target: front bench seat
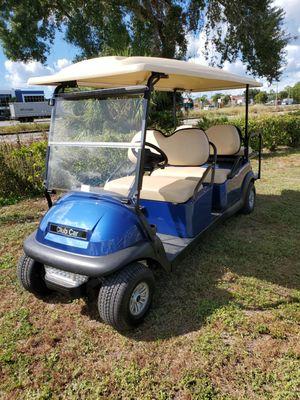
[(183, 149), (159, 188)]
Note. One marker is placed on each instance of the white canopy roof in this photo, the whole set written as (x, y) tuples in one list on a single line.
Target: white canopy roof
[(103, 72)]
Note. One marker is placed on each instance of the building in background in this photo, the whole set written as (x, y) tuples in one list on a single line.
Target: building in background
[(18, 96), (238, 100)]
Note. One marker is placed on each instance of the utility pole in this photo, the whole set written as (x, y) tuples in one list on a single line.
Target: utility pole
[(276, 100)]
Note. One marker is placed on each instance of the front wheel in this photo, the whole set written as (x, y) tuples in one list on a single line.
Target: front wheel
[(250, 199), (31, 276), (125, 297)]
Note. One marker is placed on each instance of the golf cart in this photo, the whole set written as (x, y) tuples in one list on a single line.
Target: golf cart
[(136, 198)]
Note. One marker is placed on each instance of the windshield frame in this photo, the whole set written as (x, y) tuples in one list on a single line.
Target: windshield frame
[(124, 92)]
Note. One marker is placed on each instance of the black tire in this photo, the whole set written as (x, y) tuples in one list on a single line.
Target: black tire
[(116, 296), (31, 276), (250, 199)]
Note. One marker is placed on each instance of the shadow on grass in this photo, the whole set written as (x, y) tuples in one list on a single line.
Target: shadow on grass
[(263, 245), (284, 151)]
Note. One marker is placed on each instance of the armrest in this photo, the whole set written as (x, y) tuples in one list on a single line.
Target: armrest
[(257, 153), (211, 167)]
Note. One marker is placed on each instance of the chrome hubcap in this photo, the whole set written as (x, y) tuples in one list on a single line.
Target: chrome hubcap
[(139, 298), (251, 199)]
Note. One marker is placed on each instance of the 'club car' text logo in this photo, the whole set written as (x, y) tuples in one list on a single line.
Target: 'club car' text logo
[(66, 231)]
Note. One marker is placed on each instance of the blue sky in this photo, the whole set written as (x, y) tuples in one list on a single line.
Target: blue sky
[(16, 74)]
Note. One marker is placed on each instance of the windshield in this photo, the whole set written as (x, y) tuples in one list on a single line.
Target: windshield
[(90, 143)]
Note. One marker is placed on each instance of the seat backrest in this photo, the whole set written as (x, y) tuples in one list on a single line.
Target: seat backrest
[(226, 138), (185, 147)]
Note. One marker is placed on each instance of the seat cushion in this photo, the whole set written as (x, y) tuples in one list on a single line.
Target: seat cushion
[(159, 188), (226, 138), (193, 172)]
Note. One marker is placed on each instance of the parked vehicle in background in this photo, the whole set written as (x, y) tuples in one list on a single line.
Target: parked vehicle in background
[(287, 102), (209, 107), (27, 112), (23, 97)]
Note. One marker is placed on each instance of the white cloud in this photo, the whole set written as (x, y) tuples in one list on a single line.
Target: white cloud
[(62, 63), (18, 73)]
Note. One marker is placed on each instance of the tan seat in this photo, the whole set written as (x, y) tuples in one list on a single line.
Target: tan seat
[(185, 147), (221, 174), (226, 138), (192, 167), (159, 188)]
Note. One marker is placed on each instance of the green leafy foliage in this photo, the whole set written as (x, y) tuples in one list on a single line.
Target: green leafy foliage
[(161, 111), (252, 31), (283, 130), (261, 97), (21, 170)]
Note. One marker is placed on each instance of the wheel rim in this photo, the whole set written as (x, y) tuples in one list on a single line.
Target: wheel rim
[(251, 199), (139, 299)]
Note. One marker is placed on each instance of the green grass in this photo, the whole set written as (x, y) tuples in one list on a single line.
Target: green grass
[(224, 325), (14, 129)]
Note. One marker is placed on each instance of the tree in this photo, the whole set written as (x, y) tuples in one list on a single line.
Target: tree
[(261, 97), (215, 97), (248, 29), (226, 99), (252, 93), (203, 99), (295, 92), (283, 94)]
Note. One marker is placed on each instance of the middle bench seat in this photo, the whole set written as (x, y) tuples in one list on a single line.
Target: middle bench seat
[(184, 149)]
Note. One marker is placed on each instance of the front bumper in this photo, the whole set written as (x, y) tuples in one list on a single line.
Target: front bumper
[(92, 266)]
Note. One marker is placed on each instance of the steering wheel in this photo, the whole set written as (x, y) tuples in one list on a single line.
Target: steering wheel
[(153, 160)]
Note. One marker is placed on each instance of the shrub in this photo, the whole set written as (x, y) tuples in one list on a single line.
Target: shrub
[(279, 130), (21, 170)]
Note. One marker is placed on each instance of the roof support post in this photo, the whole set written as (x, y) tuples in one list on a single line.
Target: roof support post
[(153, 79), (246, 123), (174, 107)]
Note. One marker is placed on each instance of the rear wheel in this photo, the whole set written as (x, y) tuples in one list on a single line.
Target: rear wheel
[(31, 276), (125, 297), (250, 199)]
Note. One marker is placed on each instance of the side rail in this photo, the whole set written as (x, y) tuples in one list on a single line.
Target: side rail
[(211, 168), (257, 153)]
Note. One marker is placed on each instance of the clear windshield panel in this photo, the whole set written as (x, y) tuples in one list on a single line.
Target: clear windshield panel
[(90, 142)]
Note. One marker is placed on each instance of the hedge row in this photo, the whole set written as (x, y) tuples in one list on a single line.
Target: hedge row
[(279, 130), (22, 166)]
